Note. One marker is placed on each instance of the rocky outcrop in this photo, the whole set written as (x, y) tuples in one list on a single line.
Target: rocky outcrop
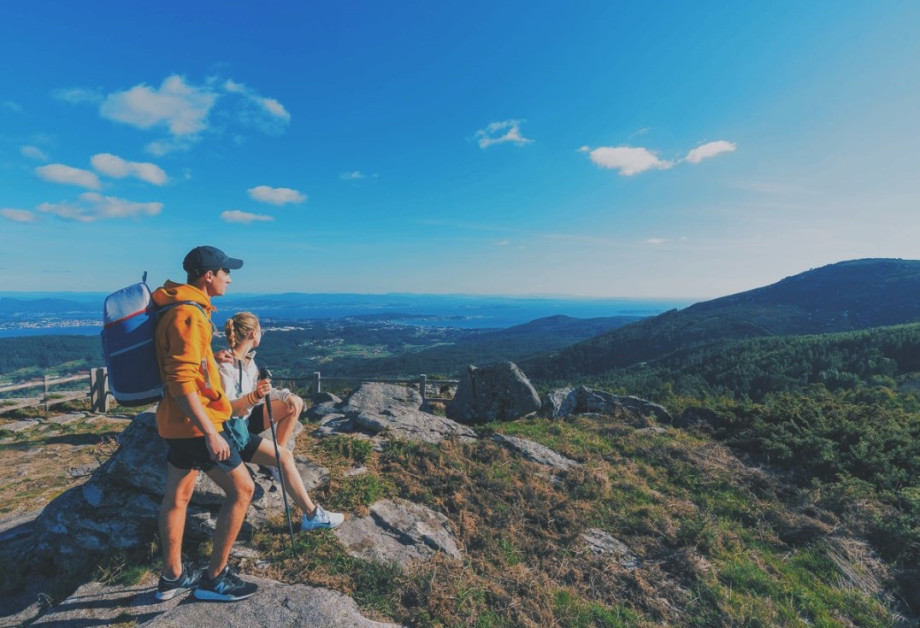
[(568, 401), (276, 604), (600, 542), (380, 409), (117, 507), (398, 531), (535, 452), (500, 392)]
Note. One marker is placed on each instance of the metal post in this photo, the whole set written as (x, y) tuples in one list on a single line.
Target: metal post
[(423, 386), (317, 383)]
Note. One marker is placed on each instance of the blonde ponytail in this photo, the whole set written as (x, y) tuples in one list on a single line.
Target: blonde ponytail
[(239, 326)]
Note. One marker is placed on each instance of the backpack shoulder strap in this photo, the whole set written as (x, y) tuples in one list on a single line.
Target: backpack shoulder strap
[(170, 306)]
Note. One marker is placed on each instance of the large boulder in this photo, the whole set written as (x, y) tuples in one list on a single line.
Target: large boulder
[(379, 409), (565, 402), (276, 604), (499, 392), (117, 507), (398, 531)]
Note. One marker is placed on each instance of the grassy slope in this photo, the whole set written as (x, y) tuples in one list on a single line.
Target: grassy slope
[(721, 543)]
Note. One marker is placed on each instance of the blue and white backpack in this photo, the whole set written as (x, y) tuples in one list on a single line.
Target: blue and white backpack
[(129, 322)]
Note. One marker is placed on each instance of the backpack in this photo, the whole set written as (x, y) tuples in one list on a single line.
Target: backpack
[(129, 322)]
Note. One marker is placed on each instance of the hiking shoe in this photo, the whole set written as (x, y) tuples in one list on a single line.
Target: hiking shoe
[(227, 587), (168, 588), (321, 519)]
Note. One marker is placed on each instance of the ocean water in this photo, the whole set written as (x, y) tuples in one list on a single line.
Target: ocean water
[(458, 311)]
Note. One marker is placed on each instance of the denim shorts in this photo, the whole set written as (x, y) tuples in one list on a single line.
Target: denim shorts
[(192, 453)]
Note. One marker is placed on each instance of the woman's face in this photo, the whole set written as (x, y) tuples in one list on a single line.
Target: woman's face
[(256, 336)]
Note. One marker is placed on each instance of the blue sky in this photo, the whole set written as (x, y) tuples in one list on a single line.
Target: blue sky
[(614, 149)]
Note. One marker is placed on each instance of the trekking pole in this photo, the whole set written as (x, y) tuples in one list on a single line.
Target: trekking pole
[(264, 373)]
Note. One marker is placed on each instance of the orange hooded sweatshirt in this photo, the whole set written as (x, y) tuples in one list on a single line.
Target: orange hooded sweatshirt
[(183, 343)]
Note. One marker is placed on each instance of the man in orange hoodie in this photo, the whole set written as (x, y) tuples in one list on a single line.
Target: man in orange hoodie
[(190, 417)]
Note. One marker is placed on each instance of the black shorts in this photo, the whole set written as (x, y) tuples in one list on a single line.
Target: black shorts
[(257, 420), (192, 453)]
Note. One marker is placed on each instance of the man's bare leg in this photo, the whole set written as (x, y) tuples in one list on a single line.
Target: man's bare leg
[(239, 489), (180, 484)]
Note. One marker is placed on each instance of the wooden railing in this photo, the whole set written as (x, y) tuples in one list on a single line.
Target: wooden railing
[(97, 391)]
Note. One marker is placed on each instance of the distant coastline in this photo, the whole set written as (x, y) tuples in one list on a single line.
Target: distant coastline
[(75, 313)]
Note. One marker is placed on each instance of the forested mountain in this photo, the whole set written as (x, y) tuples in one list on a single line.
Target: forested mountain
[(841, 297)]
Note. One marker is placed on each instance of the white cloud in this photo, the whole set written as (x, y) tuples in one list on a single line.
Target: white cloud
[(9, 105), (33, 152), (59, 173), (118, 168), (351, 176), (275, 108), (500, 133), (276, 196), (181, 107), (627, 160), (654, 241), (97, 207), (235, 215), (708, 150), (503, 243), (18, 215), (78, 95)]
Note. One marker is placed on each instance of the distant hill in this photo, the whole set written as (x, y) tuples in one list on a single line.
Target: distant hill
[(846, 296)]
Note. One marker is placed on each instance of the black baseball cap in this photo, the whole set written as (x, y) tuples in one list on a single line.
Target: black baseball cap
[(201, 259)]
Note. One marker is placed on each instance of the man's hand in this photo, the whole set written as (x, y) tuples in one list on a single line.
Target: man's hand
[(217, 447), (223, 356)]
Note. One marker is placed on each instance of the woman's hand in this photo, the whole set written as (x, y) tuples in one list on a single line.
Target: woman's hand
[(263, 387)]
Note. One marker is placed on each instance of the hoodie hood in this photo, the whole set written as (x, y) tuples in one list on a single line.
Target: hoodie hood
[(173, 292)]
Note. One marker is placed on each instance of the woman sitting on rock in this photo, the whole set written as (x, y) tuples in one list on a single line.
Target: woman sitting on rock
[(240, 379)]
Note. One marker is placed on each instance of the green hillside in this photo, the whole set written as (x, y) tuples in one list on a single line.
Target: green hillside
[(841, 297)]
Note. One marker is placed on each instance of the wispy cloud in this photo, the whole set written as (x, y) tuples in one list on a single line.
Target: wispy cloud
[(118, 168), (630, 160), (68, 175), (654, 241), (354, 175), (78, 95), (501, 133), (177, 105), (18, 215), (9, 105), (627, 159), (93, 207), (237, 216), (710, 149), (276, 196), (268, 114), (33, 152)]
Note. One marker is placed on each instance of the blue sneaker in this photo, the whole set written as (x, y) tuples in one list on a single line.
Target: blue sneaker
[(227, 587), (321, 519), (168, 588)]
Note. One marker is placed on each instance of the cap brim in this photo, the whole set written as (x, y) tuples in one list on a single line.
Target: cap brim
[(233, 263)]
